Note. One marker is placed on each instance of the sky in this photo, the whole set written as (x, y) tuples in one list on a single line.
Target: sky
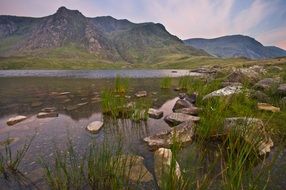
[(264, 20)]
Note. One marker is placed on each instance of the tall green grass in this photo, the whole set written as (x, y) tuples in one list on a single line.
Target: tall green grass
[(166, 83)]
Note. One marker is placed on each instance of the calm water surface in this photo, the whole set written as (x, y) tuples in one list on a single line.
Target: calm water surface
[(27, 92)]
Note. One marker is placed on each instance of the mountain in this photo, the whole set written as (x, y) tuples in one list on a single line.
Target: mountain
[(236, 46), (72, 34)]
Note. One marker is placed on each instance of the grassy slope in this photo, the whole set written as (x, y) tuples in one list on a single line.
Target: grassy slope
[(72, 57)]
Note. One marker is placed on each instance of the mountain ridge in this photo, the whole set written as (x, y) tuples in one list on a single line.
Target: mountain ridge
[(236, 46), (104, 37)]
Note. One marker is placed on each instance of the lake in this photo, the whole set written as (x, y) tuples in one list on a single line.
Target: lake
[(27, 92)]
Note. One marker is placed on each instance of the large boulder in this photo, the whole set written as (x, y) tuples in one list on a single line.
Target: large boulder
[(95, 126), (16, 119), (182, 134), (282, 89), (241, 75), (134, 168), (226, 91), (163, 164), (156, 114), (178, 118), (182, 103), (267, 83), (251, 130)]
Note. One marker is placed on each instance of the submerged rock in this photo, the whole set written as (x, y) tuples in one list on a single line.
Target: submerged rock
[(282, 89), (162, 166), (267, 107), (252, 130), (49, 109), (47, 114), (156, 114), (36, 104), (141, 94), (226, 91), (16, 119), (134, 168), (181, 134), (182, 103), (178, 118), (95, 126), (64, 93)]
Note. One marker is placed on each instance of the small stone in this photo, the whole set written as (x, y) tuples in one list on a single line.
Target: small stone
[(156, 114), (267, 107), (64, 93), (36, 104), (182, 95), (178, 118), (182, 103), (49, 109), (47, 114), (82, 104), (141, 94), (282, 89), (95, 126), (192, 98), (16, 119)]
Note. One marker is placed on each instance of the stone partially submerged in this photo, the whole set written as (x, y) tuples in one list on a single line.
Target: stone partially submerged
[(140, 94), (251, 130), (178, 118), (95, 126), (47, 114), (16, 119), (189, 111), (133, 167), (182, 103), (226, 91), (163, 166), (182, 134), (156, 114)]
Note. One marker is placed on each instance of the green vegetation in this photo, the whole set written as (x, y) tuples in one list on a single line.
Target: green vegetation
[(9, 162), (166, 83)]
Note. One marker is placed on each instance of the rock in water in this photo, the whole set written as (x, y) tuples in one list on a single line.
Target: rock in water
[(16, 119), (181, 103), (282, 89), (251, 130), (156, 114), (162, 166), (141, 94), (178, 118), (134, 168), (267, 107), (181, 134), (226, 91), (95, 126), (47, 114), (49, 109)]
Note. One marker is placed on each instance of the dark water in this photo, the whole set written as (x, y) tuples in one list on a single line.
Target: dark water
[(28, 95)]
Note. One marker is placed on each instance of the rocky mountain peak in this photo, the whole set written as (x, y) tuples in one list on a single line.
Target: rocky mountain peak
[(65, 12)]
